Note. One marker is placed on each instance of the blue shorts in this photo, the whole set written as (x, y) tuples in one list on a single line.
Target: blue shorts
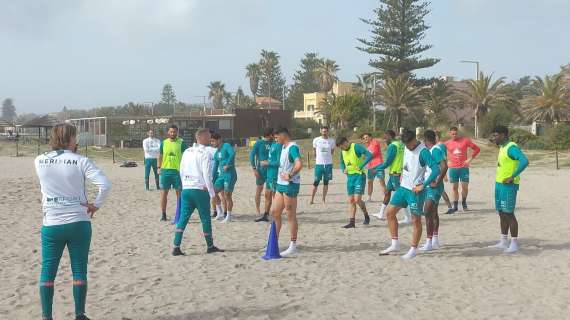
[(393, 183), (262, 175), (406, 198), (506, 197), (355, 184), (170, 179), (323, 172), (458, 174), (375, 173), (434, 194), (226, 181), (291, 190)]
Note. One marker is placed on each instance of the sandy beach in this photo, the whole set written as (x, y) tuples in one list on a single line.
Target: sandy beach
[(337, 275)]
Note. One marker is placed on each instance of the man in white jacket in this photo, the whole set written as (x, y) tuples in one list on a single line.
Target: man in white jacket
[(197, 190), (151, 147)]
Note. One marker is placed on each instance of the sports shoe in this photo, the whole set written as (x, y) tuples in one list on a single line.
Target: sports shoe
[(391, 248), (366, 220), (163, 218), (265, 217), (410, 255), (501, 245), (349, 225), (177, 252), (290, 251), (428, 246), (214, 249)]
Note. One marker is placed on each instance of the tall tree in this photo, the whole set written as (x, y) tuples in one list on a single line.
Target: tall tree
[(304, 80), (399, 96), (326, 74), (272, 81), (436, 100), (168, 100), (396, 40), (217, 93), (551, 102), (8, 110), (484, 93), (254, 75)]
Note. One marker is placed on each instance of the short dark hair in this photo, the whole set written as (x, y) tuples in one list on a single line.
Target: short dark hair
[(215, 135), (391, 133), (408, 136), (340, 140), (267, 132), (429, 135), (173, 126), (438, 133), (501, 130), (365, 134), (283, 130), (453, 129), (325, 127)]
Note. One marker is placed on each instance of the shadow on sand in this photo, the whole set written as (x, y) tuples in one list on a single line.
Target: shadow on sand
[(277, 312)]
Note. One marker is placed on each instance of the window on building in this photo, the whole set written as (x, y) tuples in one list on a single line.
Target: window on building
[(225, 124), (311, 107)]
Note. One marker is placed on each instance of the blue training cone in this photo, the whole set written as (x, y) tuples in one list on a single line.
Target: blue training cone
[(272, 251), (177, 216)]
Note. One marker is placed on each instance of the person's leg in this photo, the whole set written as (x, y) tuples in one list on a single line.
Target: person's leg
[(78, 246), (382, 184), (455, 194), (464, 193), (278, 206), (188, 204), (351, 212), (229, 185), (203, 205), (370, 188), (258, 190), (318, 172), (53, 244), (154, 166), (509, 200), (360, 203), (147, 165), (327, 177), (163, 201), (268, 199), (435, 219), (391, 212), (430, 225), (291, 208), (416, 205)]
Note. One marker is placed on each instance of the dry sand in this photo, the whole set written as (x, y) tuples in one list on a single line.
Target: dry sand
[(337, 275)]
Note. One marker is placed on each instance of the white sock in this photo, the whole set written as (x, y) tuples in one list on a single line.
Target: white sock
[(219, 209), (514, 247), (395, 242), (382, 209), (408, 214), (411, 253), (504, 239), (229, 216)]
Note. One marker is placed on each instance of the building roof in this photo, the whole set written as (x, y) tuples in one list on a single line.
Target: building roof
[(47, 121), (265, 101), (4, 123)]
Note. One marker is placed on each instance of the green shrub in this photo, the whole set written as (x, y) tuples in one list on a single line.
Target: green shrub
[(499, 115), (559, 136), (521, 137), (538, 144)]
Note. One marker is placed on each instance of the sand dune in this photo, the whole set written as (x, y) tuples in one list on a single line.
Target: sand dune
[(337, 275)]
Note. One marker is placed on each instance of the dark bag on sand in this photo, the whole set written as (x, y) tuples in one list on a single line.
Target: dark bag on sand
[(128, 164)]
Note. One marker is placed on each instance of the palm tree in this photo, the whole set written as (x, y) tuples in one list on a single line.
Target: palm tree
[(326, 74), (436, 100), (551, 102), (483, 94), (365, 86), (326, 108), (217, 94), (268, 63), (399, 96), (254, 74)]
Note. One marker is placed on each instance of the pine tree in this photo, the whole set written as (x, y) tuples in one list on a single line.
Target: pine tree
[(397, 32), (8, 110), (305, 80)]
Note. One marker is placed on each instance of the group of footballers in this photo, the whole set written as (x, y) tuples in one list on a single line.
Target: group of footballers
[(416, 172)]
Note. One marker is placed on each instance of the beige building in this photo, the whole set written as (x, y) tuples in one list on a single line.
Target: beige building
[(313, 101)]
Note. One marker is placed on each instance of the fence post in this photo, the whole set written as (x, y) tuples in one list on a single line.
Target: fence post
[(17, 155), (556, 155), (308, 159), (85, 151), (113, 154)]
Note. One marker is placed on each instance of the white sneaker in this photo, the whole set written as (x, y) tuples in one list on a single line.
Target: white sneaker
[(501, 245), (435, 244), (228, 219), (290, 251), (220, 217), (391, 248), (514, 247), (426, 247), (410, 255), (379, 215), (404, 222)]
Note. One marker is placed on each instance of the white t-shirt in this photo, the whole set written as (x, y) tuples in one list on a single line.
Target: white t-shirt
[(151, 147), (62, 177), (324, 149), (196, 169)]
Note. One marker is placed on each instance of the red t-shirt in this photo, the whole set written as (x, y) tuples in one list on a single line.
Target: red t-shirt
[(376, 150), (457, 151)]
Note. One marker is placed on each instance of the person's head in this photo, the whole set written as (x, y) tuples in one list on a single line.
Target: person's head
[(342, 143), (173, 131), (325, 131), (215, 140), (150, 133), (430, 138), (63, 136), (268, 133), (203, 136), (500, 135), (366, 138), (283, 136), (389, 135), (409, 139), (454, 133)]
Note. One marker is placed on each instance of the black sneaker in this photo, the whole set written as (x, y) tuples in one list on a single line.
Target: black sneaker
[(451, 211), (265, 217), (214, 249), (164, 218), (177, 252), (349, 225), (465, 209), (214, 214), (81, 317), (366, 220)]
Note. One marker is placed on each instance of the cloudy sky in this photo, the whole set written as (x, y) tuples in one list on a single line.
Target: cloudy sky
[(87, 53)]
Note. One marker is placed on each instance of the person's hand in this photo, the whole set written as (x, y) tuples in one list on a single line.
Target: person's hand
[(468, 162), (256, 173), (509, 180), (158, 171), (445, 178), (264, 163), (434, 183), (285, 176), (91, 209), (226, 168), (345, 171), (372, 172), (419, 188)]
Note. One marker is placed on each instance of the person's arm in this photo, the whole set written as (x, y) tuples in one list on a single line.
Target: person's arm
[(315, 149), (98, 178), (360, 150), (439, 158), (342, 166), (231, 156), (390, 157), (275, 160), (216, 163), (207, 174), (475, 148), (160, 156), (252, 154), (295, 155), (516, 153), (145, 146), (427, 160)]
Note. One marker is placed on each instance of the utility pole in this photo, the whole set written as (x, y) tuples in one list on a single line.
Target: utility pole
[(374, 103)]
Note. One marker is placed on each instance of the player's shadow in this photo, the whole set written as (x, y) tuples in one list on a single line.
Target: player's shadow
[(528, 247), (350, 248), (282, 311)]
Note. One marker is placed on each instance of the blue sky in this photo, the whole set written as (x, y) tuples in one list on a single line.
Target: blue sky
[(87, 53)]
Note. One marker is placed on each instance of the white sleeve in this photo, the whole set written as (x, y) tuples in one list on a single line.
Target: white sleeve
[(145, 145), (207, 174), (315, 143), (98, 178), (182, 170)]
